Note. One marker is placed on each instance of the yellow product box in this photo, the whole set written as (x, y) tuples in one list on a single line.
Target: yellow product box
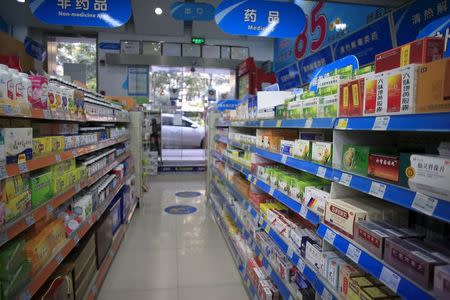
[(55, 231), (42, 146), (13, 186), (57, 144), (372, 293), (82, 171), (14, 207), (356, 285), (63, 167), (38, 251), (73, 177), (59, 184)]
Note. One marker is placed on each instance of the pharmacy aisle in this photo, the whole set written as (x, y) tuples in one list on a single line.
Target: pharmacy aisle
[(168, 256)]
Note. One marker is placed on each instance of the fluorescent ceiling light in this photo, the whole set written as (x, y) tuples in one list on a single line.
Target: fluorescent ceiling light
[(158, 11), (21, 1)]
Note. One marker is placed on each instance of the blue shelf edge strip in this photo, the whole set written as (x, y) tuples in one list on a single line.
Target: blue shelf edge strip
[(393, 193), (296, 259), (399, 284), (433, 122), (284, 291)]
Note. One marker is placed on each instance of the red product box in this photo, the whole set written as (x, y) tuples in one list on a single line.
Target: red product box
[(419, 51), (384, 166), (357, 97), (39, 91)]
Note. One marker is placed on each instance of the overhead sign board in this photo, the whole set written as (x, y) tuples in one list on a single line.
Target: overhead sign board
[(84, 13), (260, 18), (192, 11)]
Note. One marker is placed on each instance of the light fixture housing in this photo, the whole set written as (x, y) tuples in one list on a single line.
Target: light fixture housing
[(158, 11)]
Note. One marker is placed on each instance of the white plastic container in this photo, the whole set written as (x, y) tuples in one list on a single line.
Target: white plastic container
[(6, 83), (17, 84), (27, 88)]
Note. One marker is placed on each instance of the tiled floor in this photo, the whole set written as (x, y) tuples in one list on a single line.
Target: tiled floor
[(170, 256)]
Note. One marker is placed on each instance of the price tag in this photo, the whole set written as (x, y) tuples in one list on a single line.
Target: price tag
[(248, 283), (353, 253), (290, 252), (94, 290), (390, 279), (321, 171), (76, 239), (284, 159), (30, 220), (23, 168), (77, 188), (278, 125), (3, 173), (303, 211), (249, 208), (272, 190), (308, 123), (346, 179), (49, 209), (342, 123), (268, 270), (267, 229), (424, 204), (25, 295), (326, 295), (261, 123), (330, 235), (74, 152), (377, 189), (249, 177), (381, 123), (90, 221), (255, 180), (59, 259), (301, 265), (58, 158)]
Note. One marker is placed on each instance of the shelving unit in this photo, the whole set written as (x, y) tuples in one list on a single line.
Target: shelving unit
[(340, 180), (50, 208)]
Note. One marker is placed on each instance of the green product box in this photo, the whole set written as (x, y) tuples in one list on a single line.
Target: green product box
[(328, 106), (273, 176), (10, 288), (297, 187), (307, 95), (280, 112), (41, 188), (11, 258), (63, 167), (59, 184), (73, 177), (294, 110), (345, 72), (364, 70), (309, 107), (284, 181), (356, 158)]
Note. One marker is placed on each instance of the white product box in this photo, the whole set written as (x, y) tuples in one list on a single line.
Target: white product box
[(323, 263), (302, 149), (316, 199), (313, 254), (272, 99), (333, 268), (286, 147), (401, 91), (342, 215), (321, 152), (83, 206), (18, 144)]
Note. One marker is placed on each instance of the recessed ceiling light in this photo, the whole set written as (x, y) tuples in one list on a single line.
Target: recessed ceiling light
[(158, 11), (21, 1)]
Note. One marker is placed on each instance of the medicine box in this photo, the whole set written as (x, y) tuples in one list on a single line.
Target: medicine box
[(321, 152), (18, 143), (302, 149), (419, 51), (341, 215), (401, 91), (433, 87), (375, 94), (41, 188)]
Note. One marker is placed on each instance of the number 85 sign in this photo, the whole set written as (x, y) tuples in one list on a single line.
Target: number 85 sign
[(316, 24)]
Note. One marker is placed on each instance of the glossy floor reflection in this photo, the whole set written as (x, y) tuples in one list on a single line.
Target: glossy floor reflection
[(173, 256)]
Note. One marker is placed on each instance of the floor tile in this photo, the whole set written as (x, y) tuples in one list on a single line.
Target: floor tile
[(226, 292), (154, 294)]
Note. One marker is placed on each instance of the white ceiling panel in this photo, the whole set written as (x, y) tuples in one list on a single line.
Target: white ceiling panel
[(148, 23)]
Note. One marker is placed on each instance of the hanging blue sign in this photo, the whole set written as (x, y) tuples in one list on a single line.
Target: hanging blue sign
[(325, 23), (441, 28), (288, 77), (411, 19), (229, 104), (86, 13), (313, 62), (35, 49), (260, 18), (192, 11), (272, 88), (365, 43)]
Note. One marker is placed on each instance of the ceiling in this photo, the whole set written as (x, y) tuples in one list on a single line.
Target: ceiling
[(144, 20)]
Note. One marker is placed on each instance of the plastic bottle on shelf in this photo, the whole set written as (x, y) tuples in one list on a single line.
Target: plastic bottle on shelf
[(17, 83), (27, 88), (6, 83)]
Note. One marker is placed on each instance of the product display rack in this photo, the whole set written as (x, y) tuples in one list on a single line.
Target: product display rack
[(392, 192), (51, 208)]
